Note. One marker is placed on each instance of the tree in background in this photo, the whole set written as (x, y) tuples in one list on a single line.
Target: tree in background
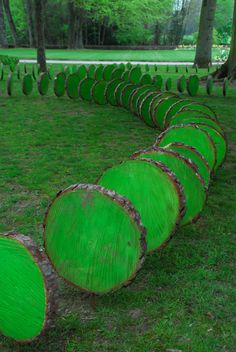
[(3, 39), (30, 22), (228, 69), (205, 35), (39, 31), (10, 21), (177, 22)]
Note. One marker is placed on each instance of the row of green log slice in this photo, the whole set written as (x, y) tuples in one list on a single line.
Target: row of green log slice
[(67, 81), (96, 237)]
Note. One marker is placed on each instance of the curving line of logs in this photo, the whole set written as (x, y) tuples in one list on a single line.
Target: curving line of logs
[(96, 237)]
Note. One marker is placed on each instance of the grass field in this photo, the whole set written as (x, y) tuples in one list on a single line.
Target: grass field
[(184, 297), (103, 55)]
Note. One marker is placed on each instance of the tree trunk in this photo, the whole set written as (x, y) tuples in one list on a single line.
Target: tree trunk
[(3, 39), (10, 21), (79, 33), (228, 69), (39, 30), (72, 24), (205, 37), (30, 22)]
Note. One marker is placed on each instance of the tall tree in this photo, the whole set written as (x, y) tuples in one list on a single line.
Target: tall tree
[(30, 22), (39, 31), (205, 35), (3, 39), (228, 69), (10, 21)]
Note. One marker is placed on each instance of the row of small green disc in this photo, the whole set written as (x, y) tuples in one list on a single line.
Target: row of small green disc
[(96, 236)]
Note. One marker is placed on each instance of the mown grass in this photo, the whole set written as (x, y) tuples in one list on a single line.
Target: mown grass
[(103, 55), (184, 297)]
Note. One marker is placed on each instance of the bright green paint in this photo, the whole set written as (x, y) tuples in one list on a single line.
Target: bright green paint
[(92, 241), (152, 193), (22, 292), (191, 136)]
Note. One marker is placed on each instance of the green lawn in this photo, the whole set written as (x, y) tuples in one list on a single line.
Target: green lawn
[(184, 297), (103, 55)]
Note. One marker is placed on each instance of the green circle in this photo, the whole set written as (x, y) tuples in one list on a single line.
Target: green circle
[(99, 92), (91, 71), (117, 73), (27, 84), (144, 108), (200, 107), (125, 76), (175, 108), (145, 79), (43, 83), (136, 95), (157, 81), (168, 84), (93, 239), (165, 101), (82, 72), (85, 89), (60, 84), (192, 136), (197, 158), (126, 93), (23, 298), (72, 85), (99, 73), (67, 70), (111, 89), (153, 193), (135, 74), (193, 187), (193, 85), (181, 84), (107, 72)]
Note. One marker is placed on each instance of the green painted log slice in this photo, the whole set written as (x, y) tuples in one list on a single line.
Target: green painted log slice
[(192, 136), (127, 92), (181, 84), (192, 154), (85, 89), (225, 87), (129, 65), (91, 71), (138, 93), (43, 83), (27, 84), (186, 117), (147, 69), (99, 73), (219, 141), (50, 72), (67, 70), (117, 73), (209, 85), (154, 192), (145, 112), (33, 71), (186, 172), (154, 107), (118, 92), (174, 109), (82, 72), (110, 92), (202, 108), (125, 76), (94, 238), (168, 84), (28, 288), (72, 86), (157, 81), (161, 108), (99, 92), (1, 72), (193, 85), (122, 66), (25, 68), (60, 84), (10, 83), (107, 72), (145, 79), (135, 75)]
